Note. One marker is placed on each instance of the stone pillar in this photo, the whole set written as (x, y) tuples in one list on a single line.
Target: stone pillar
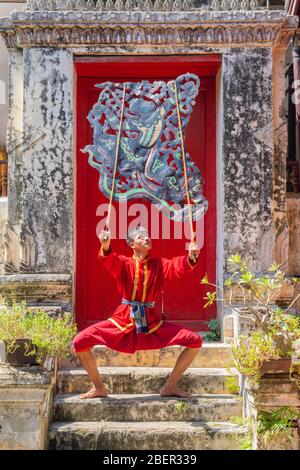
[(26, 397), (274, 391), (247, 155), (48, 161), (15, 162), (280, 153)]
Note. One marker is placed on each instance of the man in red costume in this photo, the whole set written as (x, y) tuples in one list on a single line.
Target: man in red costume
[(136, 324)]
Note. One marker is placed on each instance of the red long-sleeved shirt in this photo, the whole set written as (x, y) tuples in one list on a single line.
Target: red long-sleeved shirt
[(142, 281)]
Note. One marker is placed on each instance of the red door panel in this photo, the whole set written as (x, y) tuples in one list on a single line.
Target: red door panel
[(96, 294)]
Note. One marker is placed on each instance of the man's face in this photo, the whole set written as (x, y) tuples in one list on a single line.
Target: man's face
[(142, 243)]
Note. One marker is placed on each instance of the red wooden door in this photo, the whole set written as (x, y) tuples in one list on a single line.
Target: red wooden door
[(95, 291)]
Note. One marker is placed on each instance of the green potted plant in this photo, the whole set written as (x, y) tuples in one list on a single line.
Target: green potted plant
[(266, 349), (31, 335), (273, 331)]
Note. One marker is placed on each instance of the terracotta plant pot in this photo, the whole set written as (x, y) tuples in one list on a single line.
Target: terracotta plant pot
[(282, 364), (21, 357)]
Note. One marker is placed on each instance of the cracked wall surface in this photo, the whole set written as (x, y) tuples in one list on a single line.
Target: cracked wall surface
[(47, 156), (248, 155)]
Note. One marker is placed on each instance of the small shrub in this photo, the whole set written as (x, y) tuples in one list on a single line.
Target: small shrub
[(51, 336), (214, 334), (275, 424), (232, 385), (250, 352), (277, 329), (180, 406)]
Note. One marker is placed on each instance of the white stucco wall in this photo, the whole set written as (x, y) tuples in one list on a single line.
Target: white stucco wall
[(5, 9)]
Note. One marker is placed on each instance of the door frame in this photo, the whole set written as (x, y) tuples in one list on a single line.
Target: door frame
[(208, 65)]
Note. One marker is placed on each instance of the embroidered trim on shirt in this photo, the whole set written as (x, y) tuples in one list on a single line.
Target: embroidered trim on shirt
[(136, 280), (122, 328), (145, 282), (155, 327)]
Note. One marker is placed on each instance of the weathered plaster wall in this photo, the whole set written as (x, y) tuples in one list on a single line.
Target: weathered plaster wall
[(15, 134), (279, 158), (14, 144), (48, 158), (247, 155)]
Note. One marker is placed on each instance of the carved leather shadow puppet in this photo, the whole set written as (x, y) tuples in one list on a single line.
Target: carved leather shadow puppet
[(150, 162)]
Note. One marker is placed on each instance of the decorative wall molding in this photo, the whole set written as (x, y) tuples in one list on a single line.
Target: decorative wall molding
[(38, 287), (68, 29), (144, 5), (138, 35)]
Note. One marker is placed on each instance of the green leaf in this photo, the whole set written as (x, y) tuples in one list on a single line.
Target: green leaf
[(235, 259), (274, 267), (211, 297), (247, 277)]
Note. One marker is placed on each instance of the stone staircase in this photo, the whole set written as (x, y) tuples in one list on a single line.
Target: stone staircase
[(135, 416)]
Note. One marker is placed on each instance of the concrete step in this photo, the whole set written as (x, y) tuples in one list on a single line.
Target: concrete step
[(176, 435), (132, 380), (147, 407), (210, 355)]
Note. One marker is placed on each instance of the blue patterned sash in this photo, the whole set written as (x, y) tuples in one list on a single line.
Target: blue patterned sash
[(138, 314)]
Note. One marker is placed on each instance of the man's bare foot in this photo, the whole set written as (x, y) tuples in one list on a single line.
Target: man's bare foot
[(94, 393), (174, 392)]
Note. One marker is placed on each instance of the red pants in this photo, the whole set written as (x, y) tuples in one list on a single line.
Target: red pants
[(107, 334)]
